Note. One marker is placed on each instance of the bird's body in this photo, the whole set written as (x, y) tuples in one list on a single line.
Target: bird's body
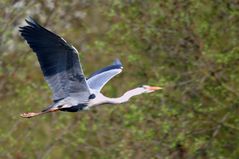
[(61, 67)]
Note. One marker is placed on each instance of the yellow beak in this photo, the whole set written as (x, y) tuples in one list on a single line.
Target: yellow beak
[(153, 88)]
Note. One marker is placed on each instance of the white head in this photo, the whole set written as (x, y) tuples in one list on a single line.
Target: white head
[(149, 89), (141, 90), (138, 91)]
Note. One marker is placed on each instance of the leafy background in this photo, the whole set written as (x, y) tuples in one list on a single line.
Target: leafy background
[(188, 47)]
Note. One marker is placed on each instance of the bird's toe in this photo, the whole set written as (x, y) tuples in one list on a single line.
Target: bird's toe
[(27, 115)]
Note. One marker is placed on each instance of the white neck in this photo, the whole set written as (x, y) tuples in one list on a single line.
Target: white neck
[(126, 96), (101, 99)]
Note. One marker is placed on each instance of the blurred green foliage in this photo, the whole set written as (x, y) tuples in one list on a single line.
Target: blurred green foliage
[(188, 47)]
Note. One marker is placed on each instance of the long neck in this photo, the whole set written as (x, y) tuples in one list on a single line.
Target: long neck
[(125, 97)]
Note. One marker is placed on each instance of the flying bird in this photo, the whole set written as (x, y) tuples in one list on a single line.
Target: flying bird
[(60, 64)]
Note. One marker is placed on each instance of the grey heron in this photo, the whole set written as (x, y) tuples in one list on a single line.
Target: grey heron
[(62, 70)]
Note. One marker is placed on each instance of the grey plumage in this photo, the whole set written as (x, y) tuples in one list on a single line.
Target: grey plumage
[(98, 79), (58, 60), (61, 67)]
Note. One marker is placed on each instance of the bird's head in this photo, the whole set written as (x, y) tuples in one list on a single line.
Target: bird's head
[(149, 89)]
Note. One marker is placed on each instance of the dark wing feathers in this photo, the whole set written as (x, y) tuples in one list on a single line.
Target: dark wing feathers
[(98, 79), (58, 60), (115, 65)]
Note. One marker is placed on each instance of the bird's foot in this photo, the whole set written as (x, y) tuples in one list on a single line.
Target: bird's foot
[(32, 114), (29, 114)]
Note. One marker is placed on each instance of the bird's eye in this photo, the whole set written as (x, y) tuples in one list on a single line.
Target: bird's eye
[(144, 86)]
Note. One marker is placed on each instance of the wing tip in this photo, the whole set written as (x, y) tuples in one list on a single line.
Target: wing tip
[(115, 65), (117, 62), (30, 22)]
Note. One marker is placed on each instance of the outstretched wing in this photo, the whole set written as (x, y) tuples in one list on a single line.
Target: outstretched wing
[(58, 60), (98, 79)]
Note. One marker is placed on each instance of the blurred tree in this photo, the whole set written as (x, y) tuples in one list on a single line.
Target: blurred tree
[(189, 47)]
